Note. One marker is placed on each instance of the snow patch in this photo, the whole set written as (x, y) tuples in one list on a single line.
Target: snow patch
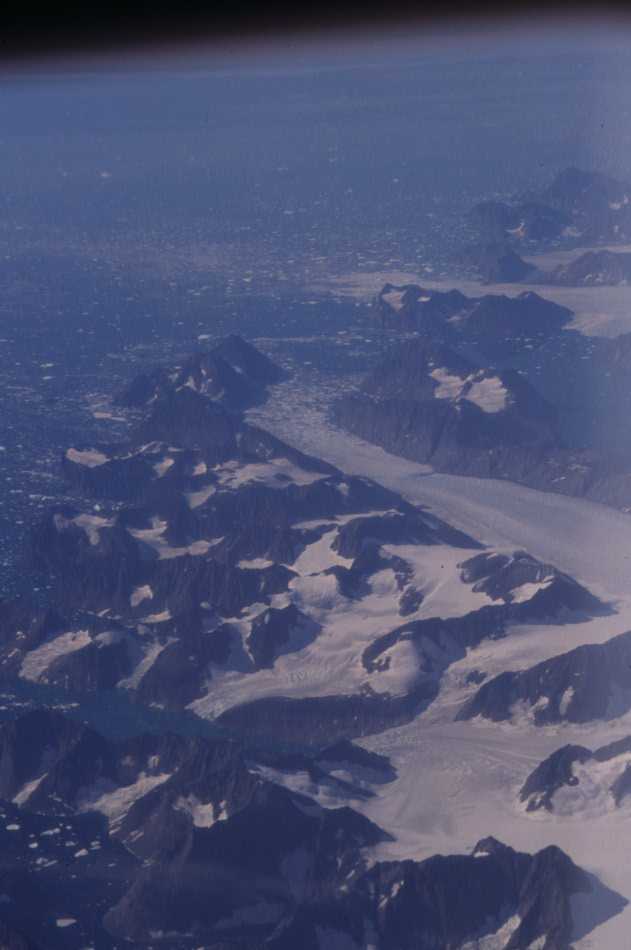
[(449, 386), (35, 663), (490, 394), (161, 468), (394, 299), (277, 473), (150, 657), (115, 802), (203, 814), (154, 538), (497, 940), (566, 699), (92, 524), (161, 617), (90, 458), (144, 592), (27, 790), (195, 499), (524, 592)]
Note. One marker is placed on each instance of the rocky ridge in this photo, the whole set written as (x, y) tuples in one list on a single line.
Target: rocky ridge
[(115, 833)]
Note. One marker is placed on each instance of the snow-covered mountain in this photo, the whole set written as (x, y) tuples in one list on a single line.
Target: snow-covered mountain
[(427, 402), (499, 263), (593, 268), (208, 567), (223, 571), (555, 417), (575, 781), (494, 326), (109, 837), (233, 374), (591, 682), (585, 205)]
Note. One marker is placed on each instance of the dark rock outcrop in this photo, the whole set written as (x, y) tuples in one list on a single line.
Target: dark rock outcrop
[(577, 204), (234, 374), (553, 773), (498, 263), (498, 221), (494, 325)]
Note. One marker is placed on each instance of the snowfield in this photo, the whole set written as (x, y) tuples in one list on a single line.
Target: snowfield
[(37, 662), (587, 540), (458, 782)]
